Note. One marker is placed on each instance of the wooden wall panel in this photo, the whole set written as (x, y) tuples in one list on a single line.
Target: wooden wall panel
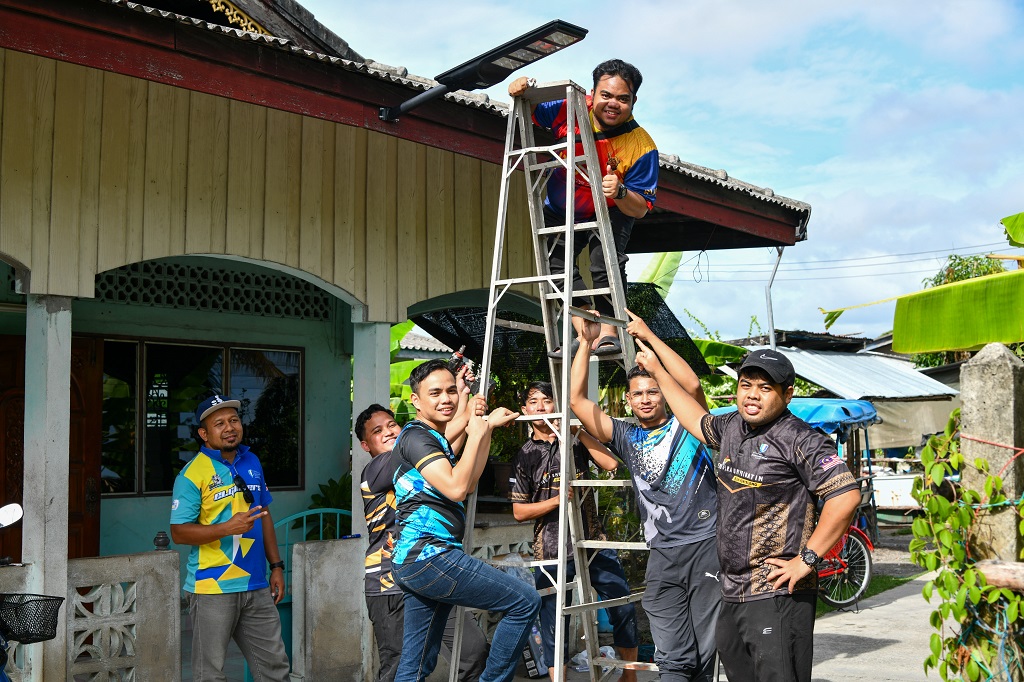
[(326, 247), (440, 222), (411, 217), (381, 228), (247, 150), (166, 170), (489, 188), (311, 195), (206, 202), (350, 149), (114, 167), (468, 233), (88, 240), (66, 189), (281, 214)]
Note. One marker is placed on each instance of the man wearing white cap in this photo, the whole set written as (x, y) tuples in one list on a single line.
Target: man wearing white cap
[(220, 507)]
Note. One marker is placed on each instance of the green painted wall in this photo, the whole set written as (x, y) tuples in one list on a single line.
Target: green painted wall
[(128, 524)]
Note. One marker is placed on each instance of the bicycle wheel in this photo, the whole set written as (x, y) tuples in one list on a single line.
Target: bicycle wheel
[(846, 576)]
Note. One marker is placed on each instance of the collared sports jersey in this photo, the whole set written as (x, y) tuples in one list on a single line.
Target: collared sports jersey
[(634, 152), (378, 489), (430, 523), (205, 493), (769, 481), (674, 482), (537, 472)]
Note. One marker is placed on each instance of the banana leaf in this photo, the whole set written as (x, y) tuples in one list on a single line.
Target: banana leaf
[(717, 353), (1014, 225), (963, 315), (661, 270)]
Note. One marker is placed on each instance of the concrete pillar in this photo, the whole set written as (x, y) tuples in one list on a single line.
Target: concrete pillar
[(47, 428), (992, 391), (371, 380)]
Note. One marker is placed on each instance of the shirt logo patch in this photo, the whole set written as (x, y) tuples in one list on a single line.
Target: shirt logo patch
[(827, 463), (254, 475), (215, 482), (703, 514), (762, 448), (174, 505)]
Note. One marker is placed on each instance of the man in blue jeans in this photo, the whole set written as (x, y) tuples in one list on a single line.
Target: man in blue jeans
[(428, 562)]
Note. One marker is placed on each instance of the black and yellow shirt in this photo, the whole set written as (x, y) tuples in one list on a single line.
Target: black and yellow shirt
[(379, 506)]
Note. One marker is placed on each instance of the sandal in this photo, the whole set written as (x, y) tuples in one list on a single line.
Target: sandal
[(557, 353), (608, 345)]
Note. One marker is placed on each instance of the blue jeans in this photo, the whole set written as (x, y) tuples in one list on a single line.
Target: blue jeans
[(609, 581), (434, 585)]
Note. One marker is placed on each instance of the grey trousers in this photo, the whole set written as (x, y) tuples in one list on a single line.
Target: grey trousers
[(682, 601), (249, 618)]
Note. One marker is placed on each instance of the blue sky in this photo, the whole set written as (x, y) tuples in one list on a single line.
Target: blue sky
[(902, 124)]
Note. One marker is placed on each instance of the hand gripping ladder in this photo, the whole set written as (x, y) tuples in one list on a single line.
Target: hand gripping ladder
[(537, 162)]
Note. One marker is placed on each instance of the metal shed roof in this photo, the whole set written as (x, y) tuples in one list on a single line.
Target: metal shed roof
[(859, 376)]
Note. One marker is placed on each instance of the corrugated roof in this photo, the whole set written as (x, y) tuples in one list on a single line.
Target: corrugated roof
[(401, 75), (857, 376), (414, 341)]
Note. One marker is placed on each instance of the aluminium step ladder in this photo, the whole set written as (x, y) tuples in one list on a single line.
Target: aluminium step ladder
[(536, 163)]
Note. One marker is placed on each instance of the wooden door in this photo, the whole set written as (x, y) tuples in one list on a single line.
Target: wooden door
[(84, 443)]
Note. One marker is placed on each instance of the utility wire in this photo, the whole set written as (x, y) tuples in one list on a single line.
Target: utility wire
[(890, 255), (732, 267)]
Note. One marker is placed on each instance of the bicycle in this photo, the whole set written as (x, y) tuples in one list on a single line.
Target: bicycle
[(24, 618), (845, 571)]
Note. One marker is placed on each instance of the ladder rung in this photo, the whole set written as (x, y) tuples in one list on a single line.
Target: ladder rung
[(539, 417), (581, 292), (558, 229), (509, 281), (571, 585), (549, 92), (541, 165), (624, 665), (603, 483), (604, 604), (608, 544), (539, 149)]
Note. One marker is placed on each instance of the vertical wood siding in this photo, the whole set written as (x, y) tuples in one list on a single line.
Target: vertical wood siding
[(99, 170)]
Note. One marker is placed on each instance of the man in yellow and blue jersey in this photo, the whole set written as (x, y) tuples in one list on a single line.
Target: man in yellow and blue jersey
[(220, 507)]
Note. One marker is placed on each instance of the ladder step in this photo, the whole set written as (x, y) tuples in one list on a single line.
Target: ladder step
[(625, 665), (559, 229), (541, 165), (608, 544), (571, 585), (603, 483), (538, 417), (509, 281), (540, 149), (605, 604), (581, 292)]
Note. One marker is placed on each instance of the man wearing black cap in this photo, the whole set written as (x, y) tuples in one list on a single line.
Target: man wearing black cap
[(219, 507), (772, 471)]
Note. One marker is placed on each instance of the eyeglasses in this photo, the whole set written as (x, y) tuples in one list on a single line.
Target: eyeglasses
[(246, 493)]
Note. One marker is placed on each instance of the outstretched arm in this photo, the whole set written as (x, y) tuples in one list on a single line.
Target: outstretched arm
[(673, 363), (456, 482), (686, 410), (594, 420)]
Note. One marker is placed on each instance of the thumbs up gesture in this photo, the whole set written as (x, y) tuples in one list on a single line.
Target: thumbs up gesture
[(610, 184)]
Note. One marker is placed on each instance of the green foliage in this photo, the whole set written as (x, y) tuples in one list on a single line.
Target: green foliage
[(335, 494), (985, 623), (958, 268)]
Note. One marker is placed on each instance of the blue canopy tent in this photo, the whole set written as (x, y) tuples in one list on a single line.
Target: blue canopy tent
[(839, 417), (828, 414)]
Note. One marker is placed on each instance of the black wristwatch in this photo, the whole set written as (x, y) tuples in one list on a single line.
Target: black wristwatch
[(621, 192), (810, 557), (277, 564)]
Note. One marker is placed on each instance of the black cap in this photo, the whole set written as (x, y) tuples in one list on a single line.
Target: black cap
[(774, 363)]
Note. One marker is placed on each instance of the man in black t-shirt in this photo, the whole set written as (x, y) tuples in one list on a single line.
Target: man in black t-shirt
[(772, 469), (377, 430), (535, 495), (675, 493)]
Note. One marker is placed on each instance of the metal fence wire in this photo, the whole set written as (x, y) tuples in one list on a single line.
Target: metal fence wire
[(29, 618)]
